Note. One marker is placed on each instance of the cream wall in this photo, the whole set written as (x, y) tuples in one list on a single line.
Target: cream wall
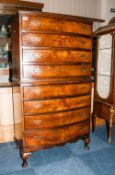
[(6, 114), (89, 8)]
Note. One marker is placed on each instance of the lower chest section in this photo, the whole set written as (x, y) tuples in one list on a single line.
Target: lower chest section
[(55, 114)]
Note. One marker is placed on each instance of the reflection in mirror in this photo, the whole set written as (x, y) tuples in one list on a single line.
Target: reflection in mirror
[(104, 66), (105, 41), (103, 86), (104, 62)]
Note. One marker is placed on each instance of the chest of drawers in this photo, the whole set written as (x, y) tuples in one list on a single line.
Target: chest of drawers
[(51, 58)]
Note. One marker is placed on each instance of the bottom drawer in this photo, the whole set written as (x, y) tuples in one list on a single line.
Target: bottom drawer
[(46, 138)]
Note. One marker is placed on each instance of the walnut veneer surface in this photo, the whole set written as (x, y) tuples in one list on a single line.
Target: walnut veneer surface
[(51, 57)]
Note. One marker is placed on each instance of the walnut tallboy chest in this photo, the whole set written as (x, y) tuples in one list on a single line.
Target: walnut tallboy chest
[(51, 58)]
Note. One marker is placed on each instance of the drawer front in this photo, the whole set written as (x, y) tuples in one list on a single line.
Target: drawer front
[(56, 71), (39, 139), (37, 23), (55, 56), (51, 40), (51, 105), (57, 119), (58, 90)]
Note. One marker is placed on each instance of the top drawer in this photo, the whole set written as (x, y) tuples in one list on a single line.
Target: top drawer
[(36, 23)]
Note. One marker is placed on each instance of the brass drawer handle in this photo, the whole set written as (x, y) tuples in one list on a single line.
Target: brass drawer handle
[(35, 23), (35, 55), (83, 70), (36, 106), (37, 121), (82, 55), (83, 27), (37, 137), (36, 91), (34, 39), (82, 87), (82, 114), (35, 70), (81, 100), (82, 42)]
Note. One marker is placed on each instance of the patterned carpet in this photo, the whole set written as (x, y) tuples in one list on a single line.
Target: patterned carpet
[(70, 159)]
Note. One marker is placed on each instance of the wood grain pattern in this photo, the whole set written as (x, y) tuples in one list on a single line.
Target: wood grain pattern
[(34, 23), (53, 40), (48, 71), (55, 56), (55, 105), (55, 90), (102, 110), (58, 119), (41, 139), (11, 7)]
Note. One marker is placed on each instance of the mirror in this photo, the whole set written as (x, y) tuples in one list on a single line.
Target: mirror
[(104, 62)]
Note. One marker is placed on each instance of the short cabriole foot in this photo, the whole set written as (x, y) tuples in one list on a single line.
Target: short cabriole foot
[(24, 156), (86, 143), (24, 163)]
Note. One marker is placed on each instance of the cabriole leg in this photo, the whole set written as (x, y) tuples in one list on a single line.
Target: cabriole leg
[(24, 156), (86, 143), (93, 122)]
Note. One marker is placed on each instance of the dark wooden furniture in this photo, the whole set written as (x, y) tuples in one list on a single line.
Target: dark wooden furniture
[(10, 7), (104, 98), (51, 57)]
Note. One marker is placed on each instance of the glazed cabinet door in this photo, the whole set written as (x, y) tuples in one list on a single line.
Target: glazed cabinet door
[(104, 66)]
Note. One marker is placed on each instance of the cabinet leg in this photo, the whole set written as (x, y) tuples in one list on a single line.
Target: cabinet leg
[(24, 156), (110, 124), (86, 143), (110, 131), (110, 135), (93, 122), (24, 163), (107, 125)]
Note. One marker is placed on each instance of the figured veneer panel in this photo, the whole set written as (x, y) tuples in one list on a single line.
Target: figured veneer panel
[(53, 69), (34, 23), (56, 90), (53, 105), (57, 119), (47, 138), (53, 40), (55, 56), (49, 71)]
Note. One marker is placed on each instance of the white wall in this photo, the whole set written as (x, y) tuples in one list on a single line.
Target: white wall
[(89, 8), (72, 7), (105, 6), (110, 4)]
